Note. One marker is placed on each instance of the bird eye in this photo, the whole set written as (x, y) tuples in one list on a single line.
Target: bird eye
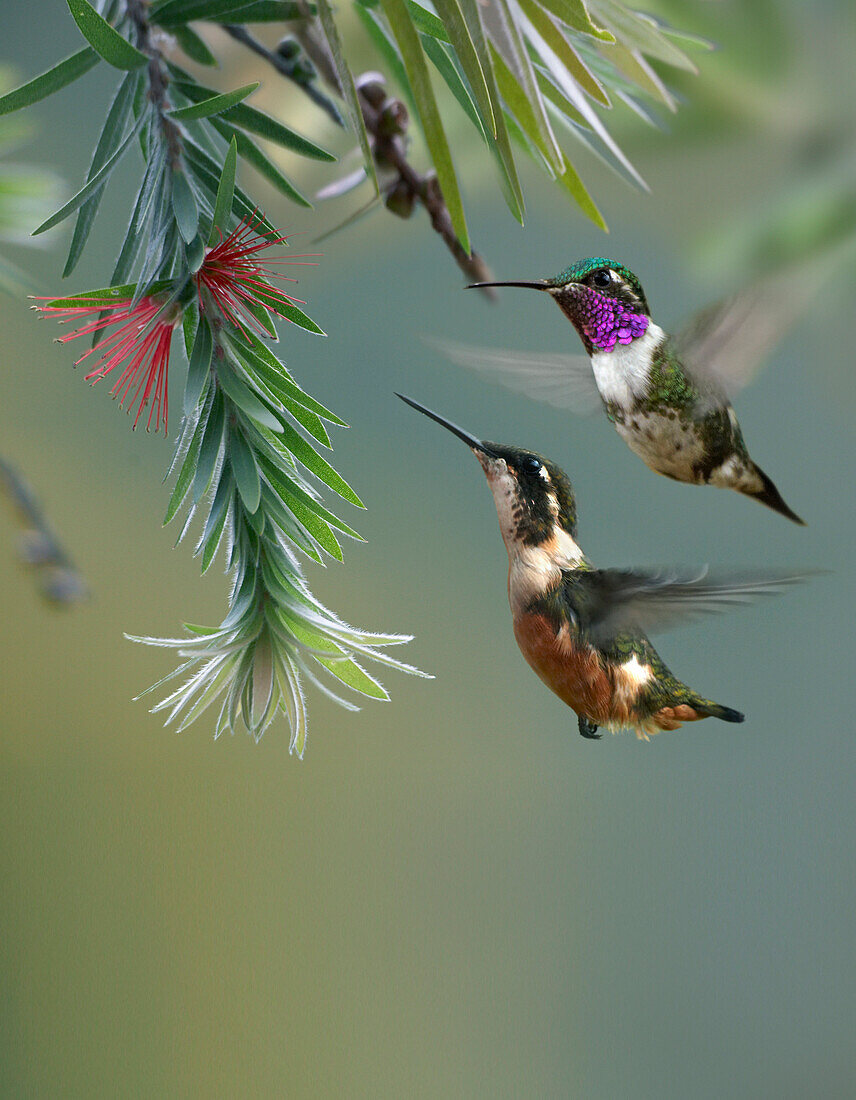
[(530, 464), (601, 278)]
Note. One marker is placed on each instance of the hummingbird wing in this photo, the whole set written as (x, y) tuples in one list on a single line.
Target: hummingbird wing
[(726, 343), (609, 602), (556, 379)]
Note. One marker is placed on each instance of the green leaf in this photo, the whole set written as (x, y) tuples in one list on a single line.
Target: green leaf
[(552, 35), (225, 194), (278, 508), (282, 485), (576, 189), (92, 186), (216, 521), (435, 136), (260, 360), (426, 22), (348, 90), (40, 87), (193, 46), (171, 13), (110, 138), (276, 301), (319, 466), (116, 50), (470, 57), (244, 398), (501, 151), (441, 56), (386, 45), (108, 295), (187, 471), (184, 207), (350, 673), (248, 118), (640, 32), (194, 253), (190, 326), (214, 105), (207, 173), (574, 14), (199, 366), (253, 155), (245, 471), (209, 450), (509, 45)]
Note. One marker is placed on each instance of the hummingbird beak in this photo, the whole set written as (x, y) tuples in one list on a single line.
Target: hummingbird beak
[(540, 285), (470, 440)]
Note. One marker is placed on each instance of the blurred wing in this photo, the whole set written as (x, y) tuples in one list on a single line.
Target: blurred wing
[(562, 380), (726, 343), (651, 600)]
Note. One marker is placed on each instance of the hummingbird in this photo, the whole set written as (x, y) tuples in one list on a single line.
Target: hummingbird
[(667, 397), (582, 629)]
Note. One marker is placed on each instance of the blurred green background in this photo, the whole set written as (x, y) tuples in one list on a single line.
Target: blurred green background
[(453, 894)]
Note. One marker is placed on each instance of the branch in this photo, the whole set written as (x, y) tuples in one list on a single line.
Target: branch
[(287, 67), (386, 121)]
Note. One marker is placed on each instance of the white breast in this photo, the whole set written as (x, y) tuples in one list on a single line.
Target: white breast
[(622, 374)]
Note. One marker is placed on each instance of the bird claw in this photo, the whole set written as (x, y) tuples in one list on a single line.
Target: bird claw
[(588, 728)]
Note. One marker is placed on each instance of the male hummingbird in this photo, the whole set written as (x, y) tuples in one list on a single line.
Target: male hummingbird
[(668, 398), (581, 628)]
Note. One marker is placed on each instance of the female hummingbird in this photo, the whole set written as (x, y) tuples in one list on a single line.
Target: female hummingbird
[(668, 398), (581, 628)]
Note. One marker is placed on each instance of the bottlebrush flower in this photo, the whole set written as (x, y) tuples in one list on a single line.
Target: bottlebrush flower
[(137, 339), (236, 275)]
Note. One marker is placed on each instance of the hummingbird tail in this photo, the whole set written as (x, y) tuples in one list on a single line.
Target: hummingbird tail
[(768, 494), (726, 714)]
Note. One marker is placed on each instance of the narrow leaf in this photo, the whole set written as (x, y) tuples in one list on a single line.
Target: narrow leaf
[(245, 400), (199, 367), (574, 14), (111, 135), (348, 90), (576, 189), (214, 105), (640, 32), (116, 50), (253, 155), (40, 87), (350, 673), (435, 136), (440, 55), (245, 471), (504, 157), (248, 118), (92, 186), (209, 450), (550, 31), (225, 194), (462, 39), (193, 46), (509, 44), (319, 466), (184, 207)]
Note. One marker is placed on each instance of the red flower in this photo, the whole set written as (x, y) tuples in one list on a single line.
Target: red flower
[(139, 341), (236, 276)]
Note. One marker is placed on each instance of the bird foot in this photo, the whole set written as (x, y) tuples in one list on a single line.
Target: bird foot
[(588, 728)]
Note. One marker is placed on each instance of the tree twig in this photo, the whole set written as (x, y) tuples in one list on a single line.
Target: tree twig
[(285, 68)]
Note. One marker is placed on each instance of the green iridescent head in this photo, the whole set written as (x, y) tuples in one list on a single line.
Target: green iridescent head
[(598, 272)]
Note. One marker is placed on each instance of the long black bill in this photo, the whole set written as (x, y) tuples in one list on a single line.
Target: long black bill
[(470, 440), (541, 285)]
